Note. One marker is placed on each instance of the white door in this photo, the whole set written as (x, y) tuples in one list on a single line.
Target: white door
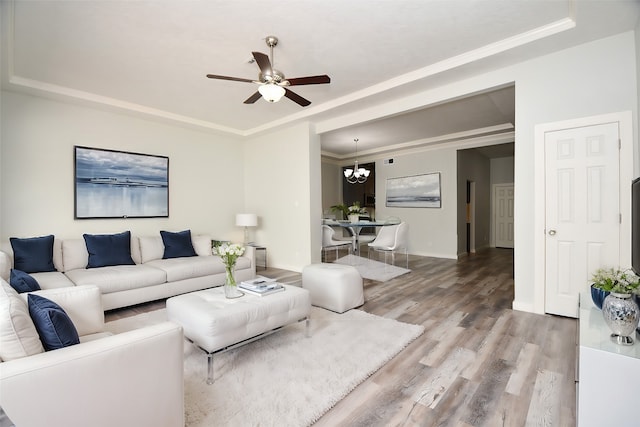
[(503, 215), (582, 221)]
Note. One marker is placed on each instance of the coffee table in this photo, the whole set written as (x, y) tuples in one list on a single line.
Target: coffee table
[(216, 324)]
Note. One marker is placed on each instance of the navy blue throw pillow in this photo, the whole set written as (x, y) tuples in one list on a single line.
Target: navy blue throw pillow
[(33, 254), (54, 326), (108, 249), (178, 244), (23, 282)]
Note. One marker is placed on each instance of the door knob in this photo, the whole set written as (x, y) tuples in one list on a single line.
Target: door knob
[(552, 232)]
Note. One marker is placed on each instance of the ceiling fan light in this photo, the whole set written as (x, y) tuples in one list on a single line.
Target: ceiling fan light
[(271, 92)]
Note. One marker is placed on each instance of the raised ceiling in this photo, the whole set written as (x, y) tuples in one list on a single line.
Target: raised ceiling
[(151, 57)]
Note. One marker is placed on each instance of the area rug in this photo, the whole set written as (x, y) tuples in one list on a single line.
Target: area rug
[(286, 379), (373, 270)]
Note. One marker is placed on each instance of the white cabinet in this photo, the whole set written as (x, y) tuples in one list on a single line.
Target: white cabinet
[(608, 374)]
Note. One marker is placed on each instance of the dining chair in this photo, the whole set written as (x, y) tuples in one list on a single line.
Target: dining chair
[(367, 234), (392, 239), (329, 243)]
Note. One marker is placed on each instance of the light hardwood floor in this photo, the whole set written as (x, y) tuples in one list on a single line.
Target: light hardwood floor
[(479, 363)]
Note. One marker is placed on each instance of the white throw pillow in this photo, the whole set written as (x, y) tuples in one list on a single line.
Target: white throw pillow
[(18, 335), (151, 248), (201, 244)]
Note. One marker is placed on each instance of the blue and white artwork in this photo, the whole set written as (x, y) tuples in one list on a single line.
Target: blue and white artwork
[(418, 191), (117, 184)]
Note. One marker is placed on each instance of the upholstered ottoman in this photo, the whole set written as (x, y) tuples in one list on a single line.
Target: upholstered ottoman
[(335, 287), (215, 323)]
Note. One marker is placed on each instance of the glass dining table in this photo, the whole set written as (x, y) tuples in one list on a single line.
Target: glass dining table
[(354, 229)]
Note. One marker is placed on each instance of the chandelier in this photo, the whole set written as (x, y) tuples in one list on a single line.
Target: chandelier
[(357, 174)]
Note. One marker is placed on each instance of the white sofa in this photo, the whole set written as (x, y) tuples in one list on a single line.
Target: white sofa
[(129, 379), (150, 279)]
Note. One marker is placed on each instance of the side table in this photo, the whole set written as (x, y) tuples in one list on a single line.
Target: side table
[(263, 249)]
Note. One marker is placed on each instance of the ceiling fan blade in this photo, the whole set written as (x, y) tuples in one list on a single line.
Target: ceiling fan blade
[(296, 98), (263, 62), (235, 79), (253, 98), (311, 80)]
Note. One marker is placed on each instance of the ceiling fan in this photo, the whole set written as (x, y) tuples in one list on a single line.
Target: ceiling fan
[(272, 83)]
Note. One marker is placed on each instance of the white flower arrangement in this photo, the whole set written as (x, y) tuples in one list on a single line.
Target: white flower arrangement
[(229, 253), (356, 209), (616, 280)]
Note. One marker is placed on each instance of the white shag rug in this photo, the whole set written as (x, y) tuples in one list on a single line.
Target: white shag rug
[(285, 379), (374, 270)]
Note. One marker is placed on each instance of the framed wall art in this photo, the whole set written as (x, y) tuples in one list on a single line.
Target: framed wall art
[(417, 191), (119, 184)]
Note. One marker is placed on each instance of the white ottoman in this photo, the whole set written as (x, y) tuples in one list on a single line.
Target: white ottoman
[(335, 287), (215, 323)]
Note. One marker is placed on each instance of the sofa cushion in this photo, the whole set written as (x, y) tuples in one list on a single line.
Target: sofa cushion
[(118, 277), (55, 328), (108, 249), (18, 335), (52, 279), (33, 254), (23, 282), (150, 248), (177, 245), (186, 268)]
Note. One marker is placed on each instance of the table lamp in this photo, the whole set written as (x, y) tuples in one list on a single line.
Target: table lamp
[(246, 220)]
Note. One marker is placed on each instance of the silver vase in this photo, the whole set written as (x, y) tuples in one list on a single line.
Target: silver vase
[(621, 314)]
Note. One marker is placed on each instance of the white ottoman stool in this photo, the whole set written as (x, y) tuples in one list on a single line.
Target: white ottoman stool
[(335, 287), (215, 323)]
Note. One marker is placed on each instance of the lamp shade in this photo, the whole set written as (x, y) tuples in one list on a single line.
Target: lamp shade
[(246, 220), (271, 92)]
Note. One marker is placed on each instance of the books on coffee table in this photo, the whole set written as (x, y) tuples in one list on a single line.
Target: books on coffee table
[(258, 280), (260, 288)]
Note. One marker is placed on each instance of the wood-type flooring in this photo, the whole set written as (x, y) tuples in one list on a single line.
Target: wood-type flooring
[(479, 363)]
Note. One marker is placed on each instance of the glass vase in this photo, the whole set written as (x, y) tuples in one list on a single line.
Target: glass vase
[(621, 314), (230, 285)]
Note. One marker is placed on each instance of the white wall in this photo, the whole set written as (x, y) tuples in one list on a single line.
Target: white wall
[(432, 231), (331, 186), (502, 171), (37, 190), (281, 190)]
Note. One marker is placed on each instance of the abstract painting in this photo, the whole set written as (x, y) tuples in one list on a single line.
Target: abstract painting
[(119, 184), (417, 191)]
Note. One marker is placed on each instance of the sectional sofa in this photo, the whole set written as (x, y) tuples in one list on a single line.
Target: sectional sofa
[(148, 276), (130, 379)]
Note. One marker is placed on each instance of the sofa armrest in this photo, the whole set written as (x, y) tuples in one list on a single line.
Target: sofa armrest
[(83, 304), (130, 379)]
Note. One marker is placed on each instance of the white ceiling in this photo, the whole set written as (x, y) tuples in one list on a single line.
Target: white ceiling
[(151, 57)]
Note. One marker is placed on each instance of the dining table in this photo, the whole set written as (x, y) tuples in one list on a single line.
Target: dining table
[(354, 228)]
